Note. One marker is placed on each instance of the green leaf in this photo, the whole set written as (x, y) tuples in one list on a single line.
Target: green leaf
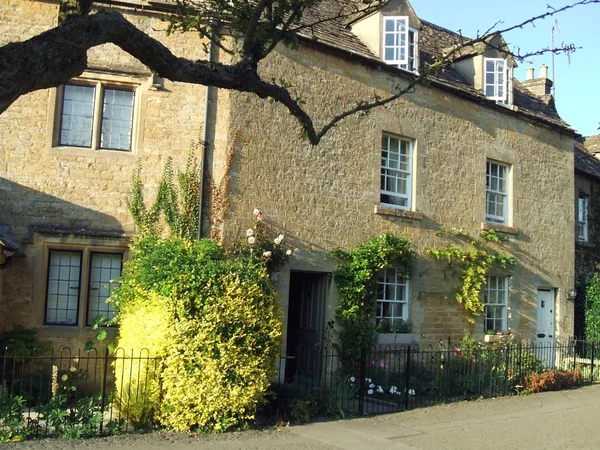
[(101, 335), (89, 346)]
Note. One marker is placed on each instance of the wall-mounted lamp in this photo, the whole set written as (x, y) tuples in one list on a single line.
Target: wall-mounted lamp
[(571, 294)]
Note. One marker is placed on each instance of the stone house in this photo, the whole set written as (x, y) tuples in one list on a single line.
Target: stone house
[(587, 237), (474, 149)]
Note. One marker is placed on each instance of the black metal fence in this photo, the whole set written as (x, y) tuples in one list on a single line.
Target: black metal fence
[(89, 393), (71, 394), (396, 378)]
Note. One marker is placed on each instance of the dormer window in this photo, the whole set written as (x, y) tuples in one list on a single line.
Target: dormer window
[(400, 43), (495, 79)]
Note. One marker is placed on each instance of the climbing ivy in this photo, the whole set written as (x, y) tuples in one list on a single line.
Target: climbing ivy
[(356, 279), (474, 263), (178, 203), (592, 308)]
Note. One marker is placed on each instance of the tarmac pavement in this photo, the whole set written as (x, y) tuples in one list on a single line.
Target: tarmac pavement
[(551, 420)]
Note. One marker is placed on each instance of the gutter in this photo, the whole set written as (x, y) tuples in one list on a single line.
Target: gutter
[(204, 138), (376, 63)]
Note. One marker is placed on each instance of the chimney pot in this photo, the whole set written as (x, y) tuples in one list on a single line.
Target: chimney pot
[(530, 73), (543, 71)]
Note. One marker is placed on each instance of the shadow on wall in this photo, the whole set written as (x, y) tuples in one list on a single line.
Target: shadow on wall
[(24, 209)]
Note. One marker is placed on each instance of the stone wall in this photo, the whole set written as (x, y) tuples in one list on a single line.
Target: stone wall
[(82, 192), (587, 254), (320, 197), (325, 197)]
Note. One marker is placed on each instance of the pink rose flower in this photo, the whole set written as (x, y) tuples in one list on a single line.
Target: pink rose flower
[(267, 254), (249, 232), (260, 216), (251, 240)]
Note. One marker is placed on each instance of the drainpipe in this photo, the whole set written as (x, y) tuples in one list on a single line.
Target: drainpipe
[(204, 138)]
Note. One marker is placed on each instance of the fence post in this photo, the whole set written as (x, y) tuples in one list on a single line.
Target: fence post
[(407, 378), (592, 362), (104, 376), (361, 386), (506, 363)]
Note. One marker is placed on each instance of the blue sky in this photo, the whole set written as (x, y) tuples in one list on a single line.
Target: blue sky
[(576, 77)]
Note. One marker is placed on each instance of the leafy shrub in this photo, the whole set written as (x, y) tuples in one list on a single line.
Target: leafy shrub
[(592, 309), (553, 380), (22, 341), (356, 279), (215, 323), (12, 423)]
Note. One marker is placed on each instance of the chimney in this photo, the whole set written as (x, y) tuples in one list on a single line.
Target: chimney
[(530, 71), (538, 86)]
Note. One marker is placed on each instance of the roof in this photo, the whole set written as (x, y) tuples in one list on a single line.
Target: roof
[(585, 161), (433, 40), (592, 144)]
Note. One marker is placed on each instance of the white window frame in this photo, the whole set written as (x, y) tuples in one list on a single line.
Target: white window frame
[(83, 286), (412, 64), (582, 218), (495, 193), (100, 80), (495, 302), (496, 84), (392, 171), (399, 38), (390, 283)]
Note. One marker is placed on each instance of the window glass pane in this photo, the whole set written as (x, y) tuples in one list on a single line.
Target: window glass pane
[(62, 298), (77, 115), (401, 25), (496, 301), (389, 54), (392, 296), (396, 171), (105, 269), (389, 25), (117, 119)]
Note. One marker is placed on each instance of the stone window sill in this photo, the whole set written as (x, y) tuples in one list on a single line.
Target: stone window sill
[(499, 228), (396, 212)]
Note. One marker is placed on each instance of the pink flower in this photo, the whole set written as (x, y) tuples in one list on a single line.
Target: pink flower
[(251, 240), (256, 211), (249, 232), (260, 216), (277, 240), (267, 254)]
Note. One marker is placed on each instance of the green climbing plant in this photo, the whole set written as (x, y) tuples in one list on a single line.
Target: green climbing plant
[(474, 259), (356, 278), (592, 308), (177, 200)]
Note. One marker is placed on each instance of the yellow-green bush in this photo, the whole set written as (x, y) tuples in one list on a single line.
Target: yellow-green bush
[(215, 323), (145, 325)]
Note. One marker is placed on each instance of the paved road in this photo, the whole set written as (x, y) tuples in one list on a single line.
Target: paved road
[(552, 420)]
